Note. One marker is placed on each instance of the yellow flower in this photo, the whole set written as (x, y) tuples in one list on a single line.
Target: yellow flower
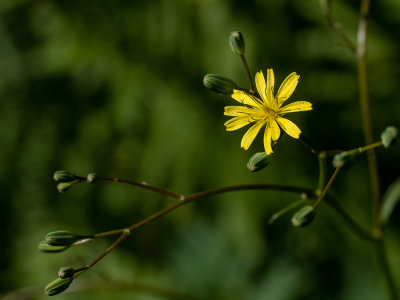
[(266, 111)]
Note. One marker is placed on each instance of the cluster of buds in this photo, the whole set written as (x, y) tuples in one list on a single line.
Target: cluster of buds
[(225, 86), (58, 241), (66, 179), (220, 84), (60, 284)]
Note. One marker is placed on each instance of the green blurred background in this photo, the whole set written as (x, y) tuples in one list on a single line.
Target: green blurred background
[(115, 87)]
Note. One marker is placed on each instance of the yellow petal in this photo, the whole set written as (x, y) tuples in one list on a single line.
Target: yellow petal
[(270, 88), (267, 141), (245, 98), (261, 87), (287, 88), (295, 107), (251, 134), (289, 127), (275, 130), (237, 122), (235, 111)]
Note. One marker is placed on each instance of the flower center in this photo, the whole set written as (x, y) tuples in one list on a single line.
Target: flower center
[(268, 111)]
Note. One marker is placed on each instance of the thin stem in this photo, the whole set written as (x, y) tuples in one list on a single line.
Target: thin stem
[(348, 220), (246, 67), (262, 186), (124, 234), (327, 187), (284, 210), (189, 198), (365, 148), (185, 200), (365, 108), (322, 171), (337, 27), (358, 150), (307, 142), (210, 192), (368, 136), (380, 250), (143, 185)]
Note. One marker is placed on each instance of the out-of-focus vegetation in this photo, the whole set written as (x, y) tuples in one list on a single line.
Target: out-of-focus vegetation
[(115, 87)]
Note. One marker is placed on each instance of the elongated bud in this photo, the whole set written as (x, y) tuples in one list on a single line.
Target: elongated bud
[(64, 176), (66, 272), (61, 238), (64, 186), (219, 84), (57, 286), (236, 41), (258, 161), (389, 136), (343, 160), (304, 216), (44, 247)]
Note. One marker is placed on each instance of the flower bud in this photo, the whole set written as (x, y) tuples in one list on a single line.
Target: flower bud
[(64, 186), (236, 41), (304, 216), (66, 272), (61, 238), (389, 136), (44, 247), (58, 286), (343, 160), (64, 176), (219, 84), (258, 161), (92, 178)]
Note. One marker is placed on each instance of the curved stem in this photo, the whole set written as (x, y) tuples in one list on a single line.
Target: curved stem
[(246, 67), (348, 220), (261, 186), (144, 185), (182, 201), (189, 198)]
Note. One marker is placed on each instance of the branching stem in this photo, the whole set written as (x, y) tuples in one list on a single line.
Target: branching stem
[(327, 187)]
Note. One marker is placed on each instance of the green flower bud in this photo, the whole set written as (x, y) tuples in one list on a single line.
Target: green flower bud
[(64, 186), (44, 247), (258, 161), (92, 178), (61, 238), (66, 272), (389, 136), (343, 160), (57, 286), (236, 41), (64, 176), (219, 84), (304, 216)]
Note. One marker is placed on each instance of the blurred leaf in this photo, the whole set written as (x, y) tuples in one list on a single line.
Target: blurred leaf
[(389, 201)]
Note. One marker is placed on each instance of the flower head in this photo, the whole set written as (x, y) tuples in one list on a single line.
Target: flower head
[(266, 111)]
